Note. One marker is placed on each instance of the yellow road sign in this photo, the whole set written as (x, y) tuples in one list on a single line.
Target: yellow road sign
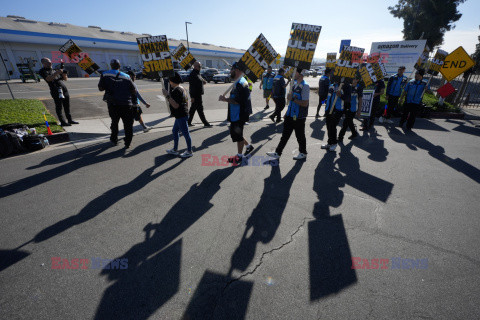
[(456, 63)]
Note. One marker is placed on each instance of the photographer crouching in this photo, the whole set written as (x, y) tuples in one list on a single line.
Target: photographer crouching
[(58, 90)]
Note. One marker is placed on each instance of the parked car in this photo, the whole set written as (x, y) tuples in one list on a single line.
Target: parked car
[(209, 73), (222, 76)]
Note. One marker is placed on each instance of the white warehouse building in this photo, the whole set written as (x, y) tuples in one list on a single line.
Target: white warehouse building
[(22, 39)]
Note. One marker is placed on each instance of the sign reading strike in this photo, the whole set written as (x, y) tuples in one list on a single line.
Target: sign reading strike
[(422, 60), (156, 56), (301, 46), (182, 55), (372, 72), (257, 58), (456, 63), (331, 59), (437, 62), (347, 64), (73, 52)]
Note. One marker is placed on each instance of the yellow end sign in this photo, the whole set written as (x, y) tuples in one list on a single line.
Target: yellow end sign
[(456, 63)]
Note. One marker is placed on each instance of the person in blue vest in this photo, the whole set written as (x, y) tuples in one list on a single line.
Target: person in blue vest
[(279, 92), (352, 108), (239, 111), (334, 111), (267, 85), (295, 117), (395, 87), (414, 94), (323, 85), (121, 96), (377, 111)]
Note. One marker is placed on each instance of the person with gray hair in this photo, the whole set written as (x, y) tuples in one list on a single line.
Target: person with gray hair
[(58, 90)]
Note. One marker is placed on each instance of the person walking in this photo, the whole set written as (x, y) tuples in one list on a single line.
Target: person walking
[(137, 111), (295, 117), (323, 85), (178, 102), (334, 111), (279, 92), (121, 95), (352, 109), (414, 94), (196, 83), (267, 84), (58, 90), (239, 110)]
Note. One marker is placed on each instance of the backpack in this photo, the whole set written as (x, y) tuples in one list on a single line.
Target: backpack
[(35, 142)]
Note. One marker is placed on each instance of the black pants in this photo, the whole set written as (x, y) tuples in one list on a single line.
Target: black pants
[(332, 122), (197, 105), (414, 110), (289, 125), (126, 114), (279, 106), (376, 113), (392, 105), (320, 104), (347, 123), (62, 104)]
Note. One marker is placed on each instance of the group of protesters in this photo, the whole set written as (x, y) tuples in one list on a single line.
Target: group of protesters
[(341, 100)]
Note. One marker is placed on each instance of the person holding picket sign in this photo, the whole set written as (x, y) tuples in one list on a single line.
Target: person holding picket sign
[(178, 101), (394, 90), (295, 117), (414, 94), (334, 111), (376, 110), (352, 108), (239, 110)]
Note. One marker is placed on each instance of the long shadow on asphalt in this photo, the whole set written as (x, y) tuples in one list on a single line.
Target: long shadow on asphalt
[(265, 132), (211, 299), (413, 141), (150, 281), (330, 259), (370, 143)]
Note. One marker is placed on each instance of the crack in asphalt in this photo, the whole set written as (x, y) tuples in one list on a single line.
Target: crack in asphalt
[(260, 262)]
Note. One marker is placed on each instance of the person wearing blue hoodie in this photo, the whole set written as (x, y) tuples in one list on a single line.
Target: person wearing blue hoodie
[(414, 94)]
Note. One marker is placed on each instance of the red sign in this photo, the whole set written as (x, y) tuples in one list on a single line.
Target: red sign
[(59, 57), (446, 90)]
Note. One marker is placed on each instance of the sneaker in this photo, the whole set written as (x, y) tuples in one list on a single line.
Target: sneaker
[(300, 156), (266, 107), (72, 122), (388, 121), (332, 147), (65, 124), (146, 129), (325, 146), (235, 160), (272, 117), (191, 125), (273, 155), (186, 154), (208, 125), (248, 150), (353, 136), (173, 152), (381, 119)]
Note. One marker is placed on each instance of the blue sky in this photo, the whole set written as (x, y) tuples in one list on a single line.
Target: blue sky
[(237, 24)]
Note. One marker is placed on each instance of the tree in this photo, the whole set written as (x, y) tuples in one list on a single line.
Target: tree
[(476, 57), (432, 18)]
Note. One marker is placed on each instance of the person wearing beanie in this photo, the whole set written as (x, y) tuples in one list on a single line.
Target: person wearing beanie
[(239, 111), (295, 117), (178, 102), (414, 94), (121, 96)]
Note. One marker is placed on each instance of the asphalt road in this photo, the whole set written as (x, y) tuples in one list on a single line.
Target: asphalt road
[(250, 242)]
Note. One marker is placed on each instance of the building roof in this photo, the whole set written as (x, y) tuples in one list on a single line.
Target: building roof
[(16, 25)]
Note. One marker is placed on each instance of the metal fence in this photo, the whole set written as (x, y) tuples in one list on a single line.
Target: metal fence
[(467, 94)]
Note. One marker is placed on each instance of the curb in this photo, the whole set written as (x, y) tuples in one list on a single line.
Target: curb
[(58, 138)]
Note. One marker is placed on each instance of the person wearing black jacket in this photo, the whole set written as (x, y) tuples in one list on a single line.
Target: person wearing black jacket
[(196, 91), (323, 85), (121, 96)]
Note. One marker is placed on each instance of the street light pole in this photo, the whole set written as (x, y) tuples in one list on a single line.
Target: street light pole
[(186, 30)]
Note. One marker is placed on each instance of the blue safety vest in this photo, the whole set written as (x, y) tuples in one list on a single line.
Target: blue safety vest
[(234, 108), (414, 91), (354, 102), (268, 81), (332, 93), (294, 110), (396, 84)]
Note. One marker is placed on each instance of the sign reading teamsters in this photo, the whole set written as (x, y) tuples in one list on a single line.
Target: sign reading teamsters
[(73, 52), (302, 45), (257, 58), (156, 56), (183, 56)]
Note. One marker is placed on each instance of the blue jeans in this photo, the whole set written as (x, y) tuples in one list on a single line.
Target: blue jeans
[(181, 124)]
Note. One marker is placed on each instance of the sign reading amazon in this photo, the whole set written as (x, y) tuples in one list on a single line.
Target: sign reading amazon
[(156, 56), (302, 45)]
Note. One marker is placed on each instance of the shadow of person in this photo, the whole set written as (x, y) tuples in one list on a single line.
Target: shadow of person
[(106, 200), (258, 116), (126, 294), (370, 143), (317, 129), (330, 259), (10, 257), (265, 133), (212, 140)]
